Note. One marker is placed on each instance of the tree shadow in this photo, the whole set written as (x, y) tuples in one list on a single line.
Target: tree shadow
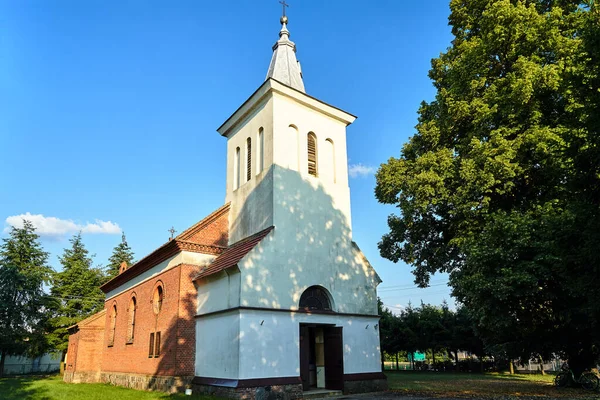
[(21, 388)]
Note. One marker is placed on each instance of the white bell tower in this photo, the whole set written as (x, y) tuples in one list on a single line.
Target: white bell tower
[(285, 151)]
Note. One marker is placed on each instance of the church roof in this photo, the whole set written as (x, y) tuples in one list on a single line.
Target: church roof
[(284, 66), (209, 236), (233, 254)]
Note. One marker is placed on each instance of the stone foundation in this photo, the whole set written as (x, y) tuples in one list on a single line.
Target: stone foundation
[(81, 377), (274, 392), (168, 384)]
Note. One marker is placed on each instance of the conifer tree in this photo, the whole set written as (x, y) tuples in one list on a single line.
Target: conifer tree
[(76, 292), (23, 273), (121, 252)]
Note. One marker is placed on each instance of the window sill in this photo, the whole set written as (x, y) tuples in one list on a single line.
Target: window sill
[(129, 341), (111, 345)]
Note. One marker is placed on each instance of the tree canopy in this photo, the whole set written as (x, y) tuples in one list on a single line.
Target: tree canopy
[(500, 185), (76, 292), (23, 273)]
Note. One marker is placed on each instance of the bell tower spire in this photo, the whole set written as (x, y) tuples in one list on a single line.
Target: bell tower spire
[(284, 66)]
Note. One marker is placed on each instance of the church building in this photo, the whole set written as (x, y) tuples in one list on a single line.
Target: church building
[(266, 297)]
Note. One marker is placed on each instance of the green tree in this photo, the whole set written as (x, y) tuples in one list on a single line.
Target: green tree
[(500, 185), (76, 292), (121, 252), (23, 273)]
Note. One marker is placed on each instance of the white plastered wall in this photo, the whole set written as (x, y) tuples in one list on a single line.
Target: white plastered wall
[(249, 344), (217, 345), (257, 193), (218, 292), (269, 343), (288, 261)]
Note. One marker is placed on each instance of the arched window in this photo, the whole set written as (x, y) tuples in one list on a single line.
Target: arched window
[(312, 154), (260, 159), (328, 162), (248, 159), (236, 169), (131, 327), (113, 325), (157, 299), (315, 298), (291, 148)]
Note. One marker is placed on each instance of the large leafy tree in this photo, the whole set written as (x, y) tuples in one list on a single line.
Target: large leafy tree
[(500, 185), (76, 292), (121, 253), (23, 273)]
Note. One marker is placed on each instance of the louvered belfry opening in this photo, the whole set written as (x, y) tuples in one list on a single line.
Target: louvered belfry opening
[(248, 159), (312, 154)]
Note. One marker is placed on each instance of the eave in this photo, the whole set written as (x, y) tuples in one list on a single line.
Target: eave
[(273, 86)]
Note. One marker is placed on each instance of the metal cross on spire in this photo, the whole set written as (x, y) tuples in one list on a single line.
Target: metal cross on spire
[(284, 5), (172, 230)]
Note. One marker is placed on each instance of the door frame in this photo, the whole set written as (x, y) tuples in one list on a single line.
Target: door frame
[(304, 349)]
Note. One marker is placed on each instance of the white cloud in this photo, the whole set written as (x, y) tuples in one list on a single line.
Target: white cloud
[(356, 170), (52, 226)]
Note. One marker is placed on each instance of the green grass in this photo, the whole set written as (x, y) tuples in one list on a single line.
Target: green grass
[(484, 385), (53, 388)]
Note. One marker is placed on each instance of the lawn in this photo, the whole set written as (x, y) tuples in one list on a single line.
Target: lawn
[(53, 388), (443, 384), (430, 384)]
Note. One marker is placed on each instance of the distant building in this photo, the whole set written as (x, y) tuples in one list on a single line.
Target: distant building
[(20, 365)]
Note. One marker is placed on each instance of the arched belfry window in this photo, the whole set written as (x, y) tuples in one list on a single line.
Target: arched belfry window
[(312, 154), (328, 159), (260, 159), (248, 159), (236, 169), (315, 298)]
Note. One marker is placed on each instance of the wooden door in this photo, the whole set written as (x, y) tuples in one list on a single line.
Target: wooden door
[(304, 357), (334, 358)]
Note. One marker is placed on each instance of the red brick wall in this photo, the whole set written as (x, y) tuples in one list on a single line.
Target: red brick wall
[(84, 353), (72, 351), (215, 233), (175, 321)]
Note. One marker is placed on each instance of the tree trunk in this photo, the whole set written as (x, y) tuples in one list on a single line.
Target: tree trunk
[(397, 365), (433, 358), (511, 367), (412, 360), (541, 366), (2, 358)]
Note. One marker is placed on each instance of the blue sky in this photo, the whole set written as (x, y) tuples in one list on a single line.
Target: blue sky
[(109, 109)]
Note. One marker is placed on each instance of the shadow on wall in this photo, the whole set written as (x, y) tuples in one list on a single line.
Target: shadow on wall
[(178, 342), (312, 245)]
